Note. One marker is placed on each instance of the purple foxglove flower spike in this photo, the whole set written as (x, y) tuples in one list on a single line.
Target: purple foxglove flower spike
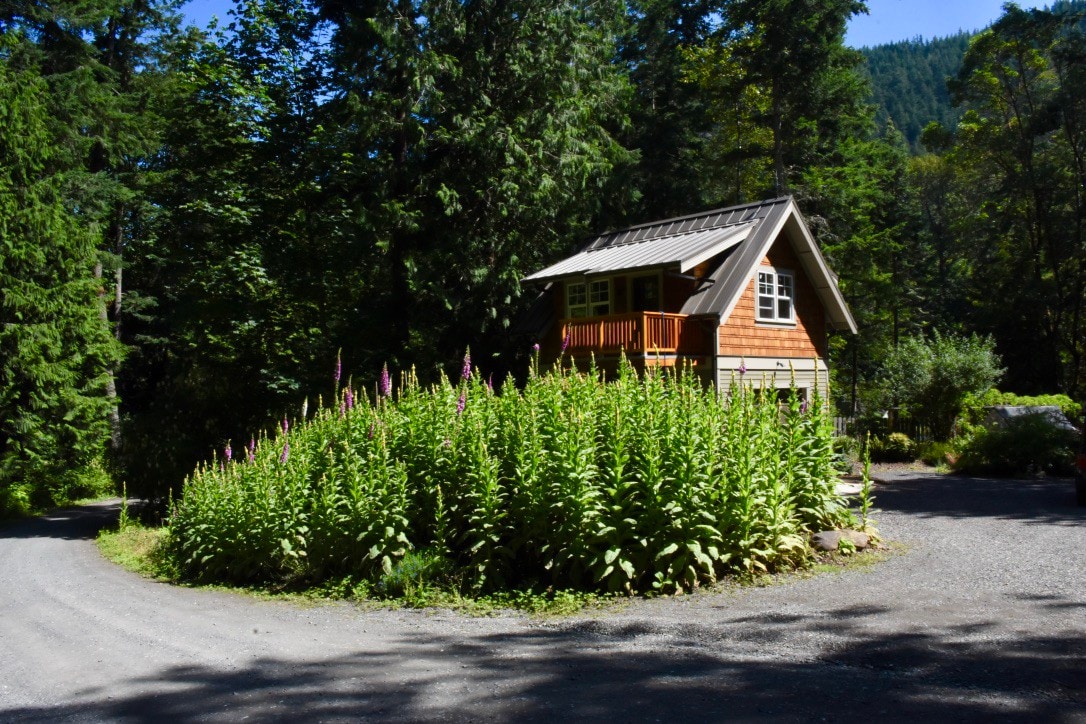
[(461, 404), (251, 450), (490, 382), (228, 452), (285, 454), (565, 343), (339, 366), (803, 407), (742, 368), (386, 382), (465, 371), (535, 347), (349, 398), (286, 425)]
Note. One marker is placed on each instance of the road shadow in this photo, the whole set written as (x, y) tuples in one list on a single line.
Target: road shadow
[(73, 523), (593, 671), (1049, 501)]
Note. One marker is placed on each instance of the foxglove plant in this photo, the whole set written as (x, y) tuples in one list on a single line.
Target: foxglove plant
[(385, 389), (648, 483)]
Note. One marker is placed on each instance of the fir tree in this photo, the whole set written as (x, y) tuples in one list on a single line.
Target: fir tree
[(55, 349)]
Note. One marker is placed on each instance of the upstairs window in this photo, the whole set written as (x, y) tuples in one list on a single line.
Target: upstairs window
[(592, 299), (776, 296)]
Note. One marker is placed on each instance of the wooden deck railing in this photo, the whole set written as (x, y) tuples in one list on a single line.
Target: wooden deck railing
[(636, 333)]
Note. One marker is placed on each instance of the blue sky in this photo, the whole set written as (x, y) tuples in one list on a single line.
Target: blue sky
[(888, 21), (892, 20)]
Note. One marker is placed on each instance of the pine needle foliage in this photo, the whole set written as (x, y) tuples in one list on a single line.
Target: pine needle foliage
[(55, 347), (642, 484)]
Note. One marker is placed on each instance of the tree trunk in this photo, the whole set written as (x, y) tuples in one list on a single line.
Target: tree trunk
[(111, 381)]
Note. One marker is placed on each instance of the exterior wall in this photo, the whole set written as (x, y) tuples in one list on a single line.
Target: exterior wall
[(742, 336), (774, 372), (675, 292)]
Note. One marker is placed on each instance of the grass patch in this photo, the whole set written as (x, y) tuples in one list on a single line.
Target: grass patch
[(136, 548)]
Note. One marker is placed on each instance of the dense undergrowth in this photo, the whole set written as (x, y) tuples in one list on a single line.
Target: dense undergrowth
[(641, 484)]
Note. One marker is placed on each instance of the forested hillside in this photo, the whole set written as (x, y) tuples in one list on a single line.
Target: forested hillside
[(196, 225), (908, 82), (909, 79)]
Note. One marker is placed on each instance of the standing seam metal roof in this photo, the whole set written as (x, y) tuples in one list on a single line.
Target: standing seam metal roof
[(686, 248)]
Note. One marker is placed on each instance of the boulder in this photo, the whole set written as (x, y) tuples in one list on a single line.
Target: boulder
[(830, 540)]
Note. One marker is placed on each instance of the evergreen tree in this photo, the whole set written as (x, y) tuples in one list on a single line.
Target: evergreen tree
[(55, 350), (815, 97), (671, 117), (480, 144)]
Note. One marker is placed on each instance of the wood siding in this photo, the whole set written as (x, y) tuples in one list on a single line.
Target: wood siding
[(741, 335), (777, 373)]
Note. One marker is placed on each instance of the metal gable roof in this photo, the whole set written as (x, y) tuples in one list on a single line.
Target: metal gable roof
[(686, 248)]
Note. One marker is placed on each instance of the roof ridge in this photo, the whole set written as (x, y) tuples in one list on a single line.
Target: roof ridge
[(646, 239), (699, 214)]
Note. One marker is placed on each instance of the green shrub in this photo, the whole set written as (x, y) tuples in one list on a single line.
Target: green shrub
[(1025, 445), (15, 501), (929, 380), (937, 453), (974, 407), (640, 484), (896, 447)]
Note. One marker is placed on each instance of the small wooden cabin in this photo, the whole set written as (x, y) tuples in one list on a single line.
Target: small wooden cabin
[(738, 289)]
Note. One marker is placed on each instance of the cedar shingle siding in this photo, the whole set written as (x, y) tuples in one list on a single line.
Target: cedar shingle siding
[(742, 336)]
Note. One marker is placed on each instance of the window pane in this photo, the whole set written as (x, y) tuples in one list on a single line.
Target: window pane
[(784, 309), (765, 283), (576, 294)]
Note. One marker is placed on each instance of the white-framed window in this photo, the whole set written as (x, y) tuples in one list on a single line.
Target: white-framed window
[(588, 299), (776, 295)]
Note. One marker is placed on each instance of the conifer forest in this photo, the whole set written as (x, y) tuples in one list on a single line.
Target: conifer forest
[(196, 224)]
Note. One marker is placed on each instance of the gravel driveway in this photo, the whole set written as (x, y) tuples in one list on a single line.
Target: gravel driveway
[(981, 618)]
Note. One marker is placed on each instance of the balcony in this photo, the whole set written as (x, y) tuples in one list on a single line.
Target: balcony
[(638, 333)]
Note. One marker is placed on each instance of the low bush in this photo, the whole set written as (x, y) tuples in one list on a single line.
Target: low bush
[(937, 453), (974, 408), (1029, 444), (640, 484), (897, 447)]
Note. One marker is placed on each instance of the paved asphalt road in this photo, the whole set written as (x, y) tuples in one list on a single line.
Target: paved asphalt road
[(981, 618)]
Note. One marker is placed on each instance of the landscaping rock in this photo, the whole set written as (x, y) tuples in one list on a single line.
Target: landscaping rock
[(830, 540)]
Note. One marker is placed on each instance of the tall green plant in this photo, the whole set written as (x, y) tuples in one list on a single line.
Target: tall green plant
[(641, 484)]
